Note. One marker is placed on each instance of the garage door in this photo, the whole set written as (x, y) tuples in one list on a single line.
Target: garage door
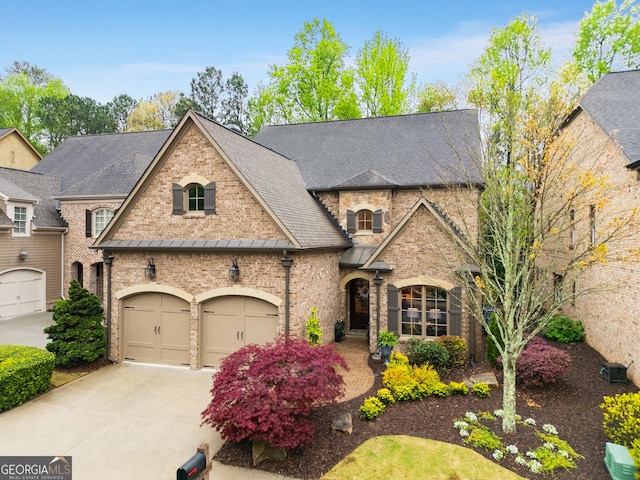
[(22, 291), (231, 322), (157, 329)]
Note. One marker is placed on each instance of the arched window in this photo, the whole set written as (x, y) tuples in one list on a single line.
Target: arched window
[(424, 312), (195, 195), (101, 219), (365, 220)]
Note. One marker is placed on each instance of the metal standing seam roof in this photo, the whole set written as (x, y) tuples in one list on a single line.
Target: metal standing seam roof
[(279, 185), (404, 150), (195, 245), (614, 104)]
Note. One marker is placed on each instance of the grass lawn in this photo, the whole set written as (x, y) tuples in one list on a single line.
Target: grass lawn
[(404, 457)]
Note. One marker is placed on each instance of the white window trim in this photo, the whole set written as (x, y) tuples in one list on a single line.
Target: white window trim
[(94, 215), (11, 207)]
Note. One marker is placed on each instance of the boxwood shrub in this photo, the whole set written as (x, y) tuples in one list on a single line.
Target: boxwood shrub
[(24, 372), (564, 329)]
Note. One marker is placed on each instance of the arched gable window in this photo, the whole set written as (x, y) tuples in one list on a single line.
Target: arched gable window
[(195, 197), (97, 220), (364, 220)]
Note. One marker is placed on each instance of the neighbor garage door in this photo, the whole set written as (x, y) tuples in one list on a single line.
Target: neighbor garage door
[(22, 291), (231, 322), (156, 329)]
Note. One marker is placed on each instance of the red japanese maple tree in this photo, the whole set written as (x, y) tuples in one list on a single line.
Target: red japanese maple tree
[(267, 392)]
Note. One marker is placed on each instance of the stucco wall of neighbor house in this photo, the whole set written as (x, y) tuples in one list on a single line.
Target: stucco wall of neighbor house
[(238, 214), (44, 252), (15, 154), (611, 309), (76, 243), (422, 250), (313, 283)]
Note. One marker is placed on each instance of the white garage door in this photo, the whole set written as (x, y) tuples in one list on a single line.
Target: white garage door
[(157, 329), (231, 322), (22, 291)]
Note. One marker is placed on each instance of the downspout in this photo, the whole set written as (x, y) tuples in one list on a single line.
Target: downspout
[(377, 281), (286, 263), (64, 233), (108, 261)]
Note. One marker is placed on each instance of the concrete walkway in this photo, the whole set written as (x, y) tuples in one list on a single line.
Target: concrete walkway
[(131, 420)]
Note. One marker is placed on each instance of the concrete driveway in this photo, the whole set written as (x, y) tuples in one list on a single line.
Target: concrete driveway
[(127, 420)]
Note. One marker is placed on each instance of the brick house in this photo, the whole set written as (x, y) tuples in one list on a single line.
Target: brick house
[(31, 235), (224, 242), (96, 174), (606, 129)]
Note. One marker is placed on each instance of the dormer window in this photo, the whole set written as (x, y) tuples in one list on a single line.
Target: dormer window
[(365, 220), (97, 220), (20, 227)]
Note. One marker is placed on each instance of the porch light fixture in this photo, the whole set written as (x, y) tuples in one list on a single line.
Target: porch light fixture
[(150, 269), (234, 271), (434, 313), (23, 256)]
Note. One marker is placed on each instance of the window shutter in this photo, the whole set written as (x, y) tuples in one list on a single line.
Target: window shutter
[(210, 198), (377, 221), (87, 223), (392, 309), (351, 221), (178, 199), (455, 311)]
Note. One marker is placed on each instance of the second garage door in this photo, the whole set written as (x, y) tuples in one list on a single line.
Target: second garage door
[(157, 329), (231, 322), (22, 291)]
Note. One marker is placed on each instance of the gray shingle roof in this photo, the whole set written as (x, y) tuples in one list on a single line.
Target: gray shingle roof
[(81, 156), (404, 150), (4, 131), (117, 179), (278, 183), (41, 188), (614, 103)]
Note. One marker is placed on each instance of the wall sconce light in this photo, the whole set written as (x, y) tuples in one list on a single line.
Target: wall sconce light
[(23, 256), (234, 271), (150, 269)]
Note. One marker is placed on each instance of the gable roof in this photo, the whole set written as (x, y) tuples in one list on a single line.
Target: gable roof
[(614, 104), (404, 150), (82, 156), (274, 181), (437, 213), (21, 185), (7, 131)]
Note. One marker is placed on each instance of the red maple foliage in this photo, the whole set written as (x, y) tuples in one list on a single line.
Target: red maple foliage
[(266, 392), (541, 363)]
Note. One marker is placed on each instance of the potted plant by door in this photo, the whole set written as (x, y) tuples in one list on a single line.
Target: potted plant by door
[(386, 341)]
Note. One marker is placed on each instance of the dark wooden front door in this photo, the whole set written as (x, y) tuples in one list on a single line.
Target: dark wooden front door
[(359, 304)]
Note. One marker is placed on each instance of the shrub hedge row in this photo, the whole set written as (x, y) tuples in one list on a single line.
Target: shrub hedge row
[(24, 372)]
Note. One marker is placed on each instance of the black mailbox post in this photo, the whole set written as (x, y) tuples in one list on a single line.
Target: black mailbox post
[(193, 468)]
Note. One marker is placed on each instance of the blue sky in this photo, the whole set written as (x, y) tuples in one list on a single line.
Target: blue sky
[(103, 49)]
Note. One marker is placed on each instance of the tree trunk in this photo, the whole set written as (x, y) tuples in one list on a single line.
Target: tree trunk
[(509, 394)]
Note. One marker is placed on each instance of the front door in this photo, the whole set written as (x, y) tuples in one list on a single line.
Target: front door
[(359, 304)]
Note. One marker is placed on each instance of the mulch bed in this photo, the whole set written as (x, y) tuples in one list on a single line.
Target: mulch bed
[(571, 405)]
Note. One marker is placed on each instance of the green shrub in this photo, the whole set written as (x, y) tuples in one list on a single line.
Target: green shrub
[(564, 329), (398, 358), (634, 451), (314, 332), (482, 437), (441, 390), (456, 348), (24, 372), (492, 349), (458, 388), (371, 408), (385, 396), (399, 379), (481, 389), (622, 417), (77, 334), (429, 352)]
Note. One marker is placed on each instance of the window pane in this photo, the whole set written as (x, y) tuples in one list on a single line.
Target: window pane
[(196, 198), (100, 220), (412, 311), (365, 220), (20, 220)]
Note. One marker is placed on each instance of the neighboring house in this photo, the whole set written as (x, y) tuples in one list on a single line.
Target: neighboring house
[(97, 173), (31, 233), (223, 242), (16, 151), (606, 129)]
